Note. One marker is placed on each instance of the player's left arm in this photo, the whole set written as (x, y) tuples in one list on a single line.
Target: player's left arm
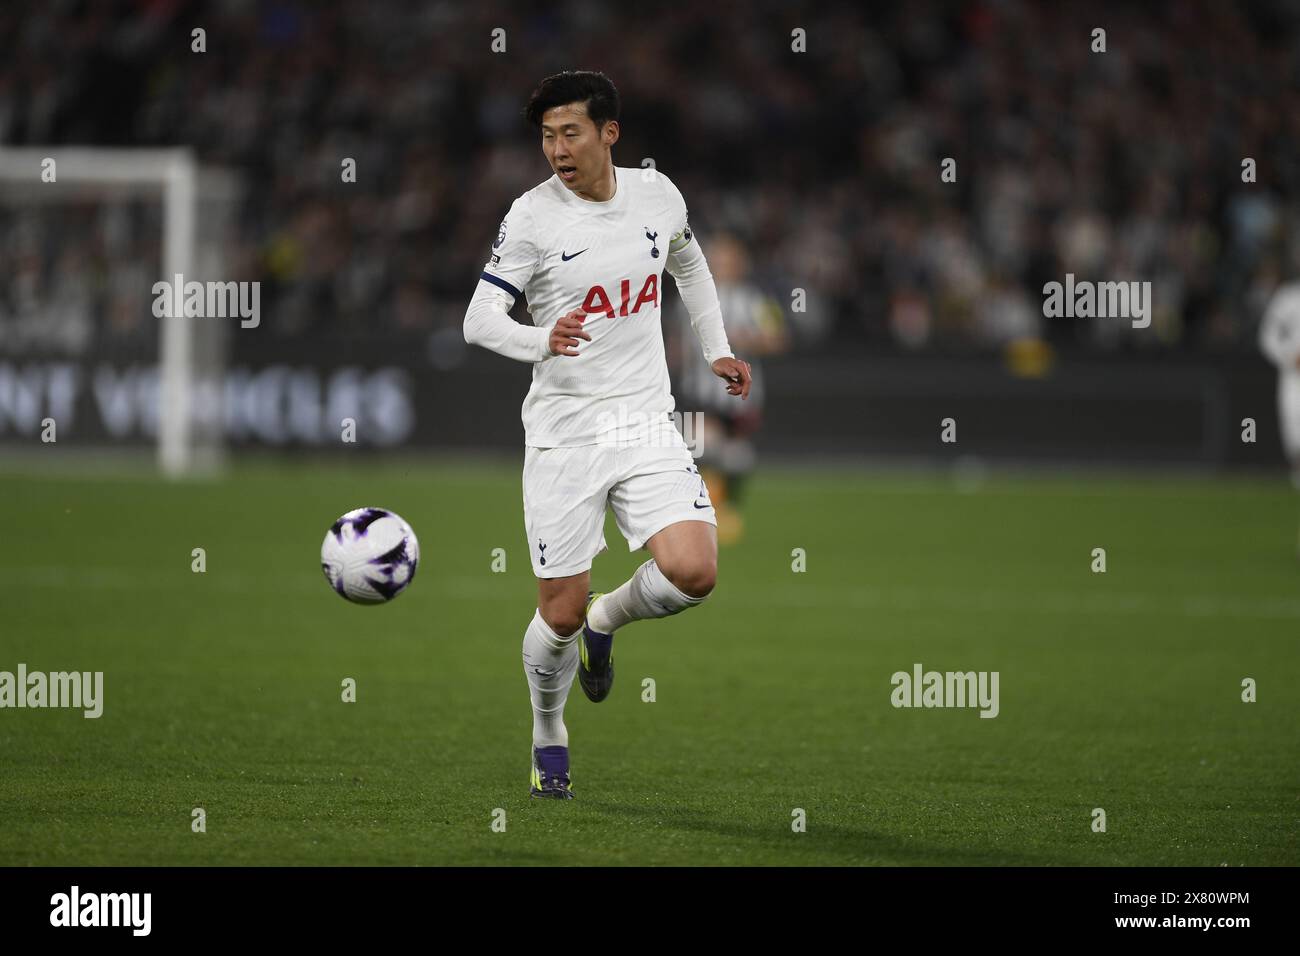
[(688, 267)]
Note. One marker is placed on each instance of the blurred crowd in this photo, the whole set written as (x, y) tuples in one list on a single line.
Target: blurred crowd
[(824, 164)]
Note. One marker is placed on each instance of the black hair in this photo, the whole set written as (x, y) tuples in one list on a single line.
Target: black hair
[(596, 90)]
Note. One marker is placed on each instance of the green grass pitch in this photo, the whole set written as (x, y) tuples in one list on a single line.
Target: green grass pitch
[(222, 690)]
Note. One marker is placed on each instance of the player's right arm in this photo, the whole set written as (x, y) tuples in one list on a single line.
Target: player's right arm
[(514, 259), (1279, 331)]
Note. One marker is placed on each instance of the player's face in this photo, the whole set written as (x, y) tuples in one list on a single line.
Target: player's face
[(574, 147)]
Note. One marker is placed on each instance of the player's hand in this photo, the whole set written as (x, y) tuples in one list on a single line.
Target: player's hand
[(736, 373), (566, 332)]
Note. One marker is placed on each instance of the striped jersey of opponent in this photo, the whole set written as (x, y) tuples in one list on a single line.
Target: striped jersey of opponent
[(564, 252), (598, 425)]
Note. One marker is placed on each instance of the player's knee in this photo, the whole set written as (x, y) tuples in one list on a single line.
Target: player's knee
[(563, 617), (695, 578)]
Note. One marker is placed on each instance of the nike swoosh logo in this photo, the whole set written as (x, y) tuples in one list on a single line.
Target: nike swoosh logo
[(565, 258), (698, 505)]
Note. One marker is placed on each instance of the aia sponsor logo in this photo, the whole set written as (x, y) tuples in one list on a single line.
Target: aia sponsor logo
[(598, 300)]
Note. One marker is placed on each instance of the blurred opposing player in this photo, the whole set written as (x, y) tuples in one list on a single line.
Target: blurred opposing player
[(1279, 338), (588, 248), (756, 326)]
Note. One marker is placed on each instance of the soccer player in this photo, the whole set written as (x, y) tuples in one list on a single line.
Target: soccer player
[(1279, 339), (588, 248), (755, 324)]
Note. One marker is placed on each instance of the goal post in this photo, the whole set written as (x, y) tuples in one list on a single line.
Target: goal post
[(58, 174)]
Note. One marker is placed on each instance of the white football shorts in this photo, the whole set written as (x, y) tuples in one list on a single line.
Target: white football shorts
[(649, 486)]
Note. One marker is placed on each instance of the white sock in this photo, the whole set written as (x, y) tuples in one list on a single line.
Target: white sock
[(645, 595), (557, 659)]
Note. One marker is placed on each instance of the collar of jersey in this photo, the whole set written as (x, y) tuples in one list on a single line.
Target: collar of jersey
[(614, 202)]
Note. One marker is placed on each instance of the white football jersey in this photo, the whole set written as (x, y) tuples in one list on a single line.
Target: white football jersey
[(607, 258), (1279, 331)]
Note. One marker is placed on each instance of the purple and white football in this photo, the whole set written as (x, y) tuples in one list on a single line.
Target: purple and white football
[(369, 555)]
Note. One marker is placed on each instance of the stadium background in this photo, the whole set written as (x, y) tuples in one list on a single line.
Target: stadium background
[(826, 166), (923, 301)]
